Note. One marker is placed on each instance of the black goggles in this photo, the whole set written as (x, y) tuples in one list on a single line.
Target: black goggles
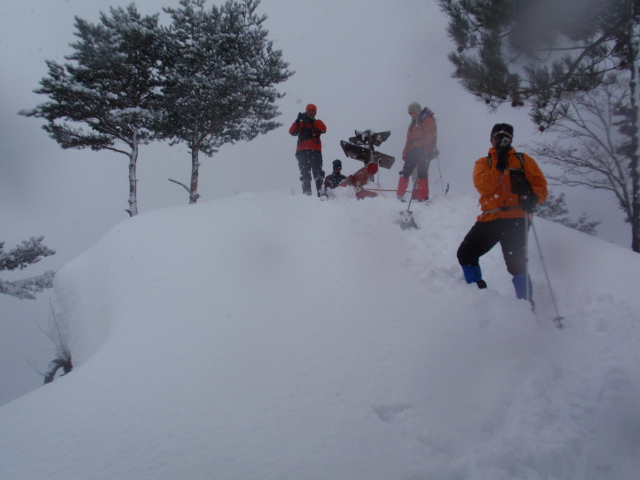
[(501, 135)]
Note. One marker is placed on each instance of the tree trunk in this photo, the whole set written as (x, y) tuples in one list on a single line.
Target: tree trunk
[(634, 174), (635, 231), (133, 181), (195, 165)]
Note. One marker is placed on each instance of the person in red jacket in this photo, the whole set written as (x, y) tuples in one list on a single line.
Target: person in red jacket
[(419, 149), (510, 184), (309, 149)]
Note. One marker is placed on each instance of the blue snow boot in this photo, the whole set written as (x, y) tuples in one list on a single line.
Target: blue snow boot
[(520, 284), (473, 274)]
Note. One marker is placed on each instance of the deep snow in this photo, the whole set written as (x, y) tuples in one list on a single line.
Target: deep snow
[(274, 336)]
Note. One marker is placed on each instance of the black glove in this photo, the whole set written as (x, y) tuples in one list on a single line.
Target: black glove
[(301, 116), (529, 202), (502, 151), (503, 160)]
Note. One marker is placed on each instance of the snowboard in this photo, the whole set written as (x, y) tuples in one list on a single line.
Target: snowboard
[(367, 138), (358, 152)]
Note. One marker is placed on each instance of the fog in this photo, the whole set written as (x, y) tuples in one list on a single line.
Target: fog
[(360, 62)]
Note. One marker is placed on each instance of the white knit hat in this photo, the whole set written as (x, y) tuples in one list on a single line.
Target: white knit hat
[(414, 107)]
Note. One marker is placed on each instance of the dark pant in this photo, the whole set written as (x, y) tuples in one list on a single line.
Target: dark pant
[(310, 161), (416, 157), (483, 236)]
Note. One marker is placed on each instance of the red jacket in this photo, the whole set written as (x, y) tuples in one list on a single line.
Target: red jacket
[(308, 133), (494, 186), (422, 133)]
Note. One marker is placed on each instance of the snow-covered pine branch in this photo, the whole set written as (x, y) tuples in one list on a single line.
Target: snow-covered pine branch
[(28, 287), (27, 253)]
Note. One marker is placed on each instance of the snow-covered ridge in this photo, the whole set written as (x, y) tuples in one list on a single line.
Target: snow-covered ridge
[(272, 336)]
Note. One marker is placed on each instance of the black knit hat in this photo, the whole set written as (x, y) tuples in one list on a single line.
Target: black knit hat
[(337, 164), (502, 127)]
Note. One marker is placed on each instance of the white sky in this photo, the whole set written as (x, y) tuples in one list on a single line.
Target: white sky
[(361, 62)]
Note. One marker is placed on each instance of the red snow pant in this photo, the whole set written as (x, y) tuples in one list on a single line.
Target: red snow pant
[(415, 158)]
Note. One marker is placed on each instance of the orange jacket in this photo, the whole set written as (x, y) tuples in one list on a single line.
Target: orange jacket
[(495, 186), (310, 140), (422, 134)]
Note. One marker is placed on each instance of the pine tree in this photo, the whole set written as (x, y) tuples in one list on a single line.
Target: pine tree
[(220, 71), (104, 97), (556, 210), (27, 253), (539, 53), (554, 55)]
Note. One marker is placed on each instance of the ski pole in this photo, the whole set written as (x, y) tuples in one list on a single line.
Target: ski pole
[(526, 257), (406, 216), (415, 182), (558, 319), (440, 174)]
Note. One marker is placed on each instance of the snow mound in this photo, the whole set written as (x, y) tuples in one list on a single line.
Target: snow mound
[(271, 336)]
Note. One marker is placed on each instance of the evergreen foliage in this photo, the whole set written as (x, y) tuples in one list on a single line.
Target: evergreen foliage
[(539, 53), (556, 210), (219, 76), (27, 253), (206, 80), (104, 98)]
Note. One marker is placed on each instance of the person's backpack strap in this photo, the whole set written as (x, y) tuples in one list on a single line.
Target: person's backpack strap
[(424, 114)]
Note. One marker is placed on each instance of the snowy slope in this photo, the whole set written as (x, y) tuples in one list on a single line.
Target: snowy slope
[(271, 336)]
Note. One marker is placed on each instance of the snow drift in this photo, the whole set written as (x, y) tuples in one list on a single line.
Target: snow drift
[(271, 336)]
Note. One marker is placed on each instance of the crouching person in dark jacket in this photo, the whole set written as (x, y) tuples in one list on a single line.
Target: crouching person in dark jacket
[(336, 178)]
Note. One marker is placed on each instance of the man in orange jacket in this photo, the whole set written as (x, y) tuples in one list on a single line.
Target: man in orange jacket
[(309, 149), (511, 185), (419, 149)]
